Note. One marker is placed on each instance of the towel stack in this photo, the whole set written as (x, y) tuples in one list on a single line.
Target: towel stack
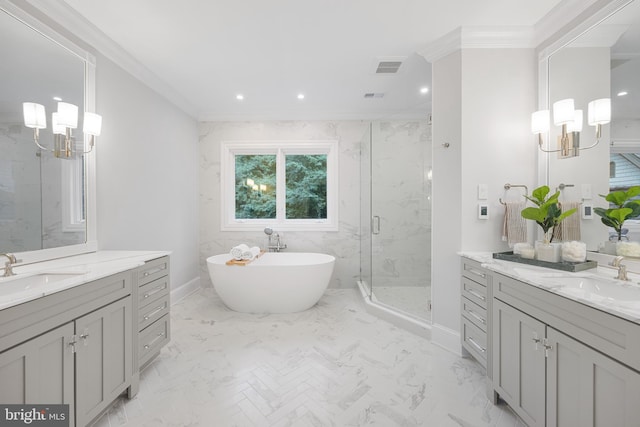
[(244, 252)]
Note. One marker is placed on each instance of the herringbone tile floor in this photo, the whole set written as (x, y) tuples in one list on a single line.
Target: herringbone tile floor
[(332, 365)]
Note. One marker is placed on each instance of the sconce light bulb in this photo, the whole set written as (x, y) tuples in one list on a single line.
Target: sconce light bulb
[(68, 115), (599, 112), (563, 112), (92, 124), (540, 122), (34, 114)]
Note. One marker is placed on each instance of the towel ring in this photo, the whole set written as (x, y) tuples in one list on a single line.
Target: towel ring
[(508, 187)]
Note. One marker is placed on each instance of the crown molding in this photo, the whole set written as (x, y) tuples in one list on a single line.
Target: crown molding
[(293, 115), (496, 37), (67, 19), (570, 20)]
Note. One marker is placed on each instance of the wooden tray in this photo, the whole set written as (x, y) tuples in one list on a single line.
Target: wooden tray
[(564, 265), (243, 261)]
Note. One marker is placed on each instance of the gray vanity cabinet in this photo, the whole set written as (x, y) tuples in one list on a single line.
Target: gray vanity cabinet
[(587, 388), (39, 370), (519, 365), (103, 358), (553, 379)]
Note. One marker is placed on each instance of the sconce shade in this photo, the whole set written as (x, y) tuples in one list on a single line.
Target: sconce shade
[(540, 122), (34, 114), (92, 124), (68, 115), (250, 182), (563, 112), (263, 187), (58, 129), (599, 112), (576, 124)]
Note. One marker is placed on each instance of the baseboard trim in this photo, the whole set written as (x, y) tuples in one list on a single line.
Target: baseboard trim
[(446, 338), (186, 289)]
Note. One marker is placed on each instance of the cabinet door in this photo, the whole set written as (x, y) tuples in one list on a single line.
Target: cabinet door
[(39, 371), (586, 388), (103, 358), (519, 362)]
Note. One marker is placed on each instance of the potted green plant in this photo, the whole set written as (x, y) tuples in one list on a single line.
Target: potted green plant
[(547, 214), (624, 208)]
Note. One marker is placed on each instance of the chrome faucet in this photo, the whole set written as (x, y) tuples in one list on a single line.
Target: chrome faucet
[(622, 269), (278, 243), (8, 266)]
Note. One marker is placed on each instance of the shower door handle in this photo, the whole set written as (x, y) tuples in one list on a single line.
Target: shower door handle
[(375, 225)]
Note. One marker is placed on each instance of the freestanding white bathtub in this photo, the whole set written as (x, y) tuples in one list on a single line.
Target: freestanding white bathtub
[(274, 283)]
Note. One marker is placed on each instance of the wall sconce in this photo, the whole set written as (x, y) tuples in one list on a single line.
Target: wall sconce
[(62, 122), (571, 120)]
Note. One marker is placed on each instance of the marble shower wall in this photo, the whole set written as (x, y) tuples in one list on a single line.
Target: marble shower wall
[(343, 244), (20, 203), (401, 197)]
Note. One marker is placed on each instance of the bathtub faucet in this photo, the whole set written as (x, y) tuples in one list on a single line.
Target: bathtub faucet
[(274, 237)]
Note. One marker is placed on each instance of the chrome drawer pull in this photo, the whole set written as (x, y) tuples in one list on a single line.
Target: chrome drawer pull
[(477, 317), (476, 272), (154, 291), (154, 312), (154, 271), (147, 346), (476, 294), (476, 345)]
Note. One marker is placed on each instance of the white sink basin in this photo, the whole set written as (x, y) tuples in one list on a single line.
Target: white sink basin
[(599, 289), (35, 282)]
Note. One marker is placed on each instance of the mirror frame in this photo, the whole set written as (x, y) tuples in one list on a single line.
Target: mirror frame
[(91, 243), (562, 38)]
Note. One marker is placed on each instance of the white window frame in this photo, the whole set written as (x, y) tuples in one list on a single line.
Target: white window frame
[(279, 148)]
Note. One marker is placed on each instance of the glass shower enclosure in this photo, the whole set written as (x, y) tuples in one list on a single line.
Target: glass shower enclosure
[(396, 216)]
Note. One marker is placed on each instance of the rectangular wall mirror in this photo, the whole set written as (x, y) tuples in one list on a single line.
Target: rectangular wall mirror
[(600, 61), (45, 201)]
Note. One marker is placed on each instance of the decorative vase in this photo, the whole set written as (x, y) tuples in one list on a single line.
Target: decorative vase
[(549, 252), (608, 247)]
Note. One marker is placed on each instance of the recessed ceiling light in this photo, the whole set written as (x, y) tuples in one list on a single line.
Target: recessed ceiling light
[(239, 97), (424, 90), (301, 96), (57, 98), (623, 93)]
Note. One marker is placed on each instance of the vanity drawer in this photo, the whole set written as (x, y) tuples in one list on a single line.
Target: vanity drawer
[(152, 291), (475, 292), (153, 270), (152, 339), (475, 341), (473, 270), (474, 313), (152, 312)]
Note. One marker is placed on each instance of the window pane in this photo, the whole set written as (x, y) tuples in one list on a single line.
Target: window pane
[(306, 177), (255, 186)]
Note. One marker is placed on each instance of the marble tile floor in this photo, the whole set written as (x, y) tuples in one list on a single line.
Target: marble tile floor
[(413, 300), (332, 365)]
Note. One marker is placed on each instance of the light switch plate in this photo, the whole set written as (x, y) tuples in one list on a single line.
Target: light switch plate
[(483, 192), (586, 191), (587, 211)]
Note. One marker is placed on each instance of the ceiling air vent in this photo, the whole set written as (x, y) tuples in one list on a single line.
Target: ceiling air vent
[(388, 67), (370, 95)]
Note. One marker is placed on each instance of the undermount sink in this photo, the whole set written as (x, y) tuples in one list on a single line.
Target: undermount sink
[(592, 288), (35, 282)]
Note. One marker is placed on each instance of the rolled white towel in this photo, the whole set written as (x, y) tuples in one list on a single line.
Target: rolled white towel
[(237, 251), (250, 253)]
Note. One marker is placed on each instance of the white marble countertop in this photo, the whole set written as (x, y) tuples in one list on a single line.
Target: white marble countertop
[(72, 271), (596, 287)]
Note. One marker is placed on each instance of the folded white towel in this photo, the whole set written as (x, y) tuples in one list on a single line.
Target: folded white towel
[(237, 251), (251, 253)]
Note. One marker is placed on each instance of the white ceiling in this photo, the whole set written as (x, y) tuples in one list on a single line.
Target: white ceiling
[(210, 51)]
